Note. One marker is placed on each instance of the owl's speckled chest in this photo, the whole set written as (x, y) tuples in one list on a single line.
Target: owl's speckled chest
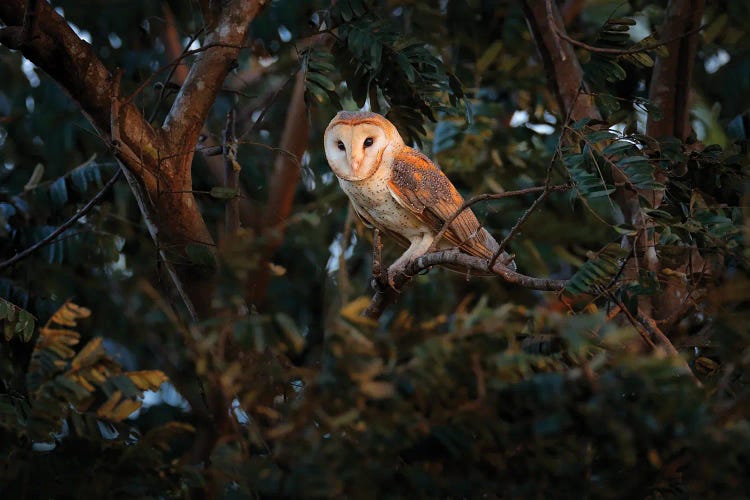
[(372, 197)]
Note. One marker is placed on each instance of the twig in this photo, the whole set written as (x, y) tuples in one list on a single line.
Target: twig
[(127, 157), (545, 189), (185, 54), (488, 196), (648, 330), (617, 52), (377, 247), (551, 22), (67, 224), (384, 296), (231, 175), (343, 273), (633, 321), (174, 67), (267, 104), (517, 226)]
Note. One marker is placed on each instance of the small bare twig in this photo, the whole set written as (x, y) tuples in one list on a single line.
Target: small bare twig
[(616, 52), (484, 197), (386, 295), (551, 22), (186, 53), (517, 226), (175, 64), (65, 225), (127, 158), (231, 175)]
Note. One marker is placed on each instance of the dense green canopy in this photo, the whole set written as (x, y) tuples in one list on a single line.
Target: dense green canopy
[(184, 288)]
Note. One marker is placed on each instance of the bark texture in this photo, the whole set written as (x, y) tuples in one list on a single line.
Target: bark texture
[(669, 90), (157, 159)]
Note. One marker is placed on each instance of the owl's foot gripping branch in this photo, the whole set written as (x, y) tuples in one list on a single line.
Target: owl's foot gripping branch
[(388, 285)]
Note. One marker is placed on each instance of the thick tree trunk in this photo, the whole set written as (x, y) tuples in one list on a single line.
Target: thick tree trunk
[(158, 160), (670, 92), (564, 73)]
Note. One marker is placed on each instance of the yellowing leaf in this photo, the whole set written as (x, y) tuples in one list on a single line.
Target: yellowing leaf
[(90, 354), (147, 379), (489, 56), (353, 310), (110, 404), (67, 337), (276, 269), (377, 390), (280, 430), (368, 371), (68, 314), (116, 409), (125, 409)]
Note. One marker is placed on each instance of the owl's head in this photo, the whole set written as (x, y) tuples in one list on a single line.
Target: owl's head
[(355, 142)]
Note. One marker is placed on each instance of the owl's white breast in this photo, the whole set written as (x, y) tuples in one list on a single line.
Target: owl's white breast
[(373, 197)]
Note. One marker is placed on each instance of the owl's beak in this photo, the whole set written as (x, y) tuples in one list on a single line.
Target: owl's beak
[(356, 161)]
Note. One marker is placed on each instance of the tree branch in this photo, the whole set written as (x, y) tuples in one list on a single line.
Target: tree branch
[(231, 176), (485, 197), (564, 73), (206, 76), (670, 81), (386, 295), (156, 161), (65, 225), (670, 92), (621, 52)]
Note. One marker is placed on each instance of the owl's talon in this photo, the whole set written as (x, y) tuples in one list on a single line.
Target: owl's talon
[(377, 284), (392, 282), (393, 273)]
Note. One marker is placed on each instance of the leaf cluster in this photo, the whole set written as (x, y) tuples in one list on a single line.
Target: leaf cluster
[(85, 397)]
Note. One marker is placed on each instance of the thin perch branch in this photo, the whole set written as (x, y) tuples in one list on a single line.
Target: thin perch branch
[(65, 225), (386, 295), (489, 196), (231, 176)]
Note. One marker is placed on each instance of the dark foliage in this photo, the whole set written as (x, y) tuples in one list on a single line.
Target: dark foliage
[(467, 388)]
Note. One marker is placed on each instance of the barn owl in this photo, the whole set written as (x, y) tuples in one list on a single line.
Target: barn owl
[(399, 191)]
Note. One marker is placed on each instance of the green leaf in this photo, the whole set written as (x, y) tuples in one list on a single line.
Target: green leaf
[(201, 255), (618, 147), (58, 192), (321, 81), (600, 135), (597, 271), (224, 193)]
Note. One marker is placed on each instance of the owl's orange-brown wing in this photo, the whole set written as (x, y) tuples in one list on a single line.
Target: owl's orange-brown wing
[(420, 186)]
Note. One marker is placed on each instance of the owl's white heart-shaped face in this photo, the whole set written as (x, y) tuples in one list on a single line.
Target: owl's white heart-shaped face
[(355, 143)]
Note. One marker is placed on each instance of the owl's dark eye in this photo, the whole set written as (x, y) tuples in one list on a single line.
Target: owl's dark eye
[(368, 142), (341, 146)]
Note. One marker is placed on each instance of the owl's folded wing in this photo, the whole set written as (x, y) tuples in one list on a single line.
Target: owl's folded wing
[(420, 186)]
